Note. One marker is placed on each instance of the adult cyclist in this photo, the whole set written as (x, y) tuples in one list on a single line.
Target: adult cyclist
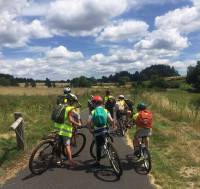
[(63, 99), (120, 109), (97, 124), (65, 130), (109, 102)]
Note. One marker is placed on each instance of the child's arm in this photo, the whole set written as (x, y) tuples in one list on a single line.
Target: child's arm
[(71, 119)]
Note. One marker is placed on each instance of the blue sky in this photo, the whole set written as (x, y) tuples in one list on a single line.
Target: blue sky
[(62, 39)]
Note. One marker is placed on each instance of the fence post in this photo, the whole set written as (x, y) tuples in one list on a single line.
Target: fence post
[(19, 132)]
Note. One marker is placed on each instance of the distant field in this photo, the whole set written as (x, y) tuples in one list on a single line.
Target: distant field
[(42, 85)]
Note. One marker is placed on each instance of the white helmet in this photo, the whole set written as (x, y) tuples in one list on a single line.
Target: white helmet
[(121, 97), (67, 90)]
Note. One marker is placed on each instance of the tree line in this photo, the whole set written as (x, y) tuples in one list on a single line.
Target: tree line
[(155, 74)]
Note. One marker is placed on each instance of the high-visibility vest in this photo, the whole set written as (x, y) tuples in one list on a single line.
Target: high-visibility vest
[(106, 99), (66, 128)]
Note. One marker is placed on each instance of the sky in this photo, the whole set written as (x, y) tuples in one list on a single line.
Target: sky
[(63, 39)]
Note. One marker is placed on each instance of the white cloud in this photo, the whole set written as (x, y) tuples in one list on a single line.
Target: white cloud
[(185, 20), (83, 17), (163, 39), (130, 30), (16, 33), (63, 52), (37, 30)]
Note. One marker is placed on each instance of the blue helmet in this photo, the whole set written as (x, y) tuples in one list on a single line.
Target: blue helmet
[(141, 106)]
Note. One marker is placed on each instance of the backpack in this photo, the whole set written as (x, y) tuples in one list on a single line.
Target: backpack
[(144, 119), (99, 117), (110, 103), (120, 105), (129, 104), (58, 113), (62, 99)]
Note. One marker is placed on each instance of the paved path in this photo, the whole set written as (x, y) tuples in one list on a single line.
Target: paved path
[(84, 176)]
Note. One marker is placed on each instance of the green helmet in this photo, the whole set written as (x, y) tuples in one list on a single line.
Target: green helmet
[(141, 106)]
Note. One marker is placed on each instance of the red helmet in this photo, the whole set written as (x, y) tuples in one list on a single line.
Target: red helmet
[(97, 99)]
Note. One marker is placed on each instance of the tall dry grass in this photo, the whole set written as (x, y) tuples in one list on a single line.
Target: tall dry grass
[(175, 110)]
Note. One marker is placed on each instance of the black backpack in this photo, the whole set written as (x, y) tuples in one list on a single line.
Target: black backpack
[(130, 104), (58, 113), (61, 99)]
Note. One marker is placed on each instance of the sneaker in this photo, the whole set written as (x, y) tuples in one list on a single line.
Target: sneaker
[(60, 163)]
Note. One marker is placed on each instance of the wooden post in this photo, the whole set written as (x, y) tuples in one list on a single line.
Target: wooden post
[(19, 131)]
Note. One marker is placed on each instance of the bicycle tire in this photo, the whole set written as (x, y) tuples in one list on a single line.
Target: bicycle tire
[(121, 129), (76, 152), (44, 162), (114, 160), (93, 151), (147, 160)]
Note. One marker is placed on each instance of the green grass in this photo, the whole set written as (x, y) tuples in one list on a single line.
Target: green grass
[(174, 144)]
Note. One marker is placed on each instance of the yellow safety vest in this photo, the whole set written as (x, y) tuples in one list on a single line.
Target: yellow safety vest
[(65, 129)]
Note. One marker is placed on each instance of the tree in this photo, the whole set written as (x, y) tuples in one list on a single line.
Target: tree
[(193, 75), (48, 82), (5, 82), (159, 70), (26, 84), (33, 83), (81, 82)]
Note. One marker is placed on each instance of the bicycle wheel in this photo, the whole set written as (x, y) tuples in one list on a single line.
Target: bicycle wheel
[(41, 157), (93, 150), (121, 127), (114, 160), (146, 160), (78, 142)]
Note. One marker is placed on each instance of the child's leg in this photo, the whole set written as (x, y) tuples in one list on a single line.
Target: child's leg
[(68, 150)]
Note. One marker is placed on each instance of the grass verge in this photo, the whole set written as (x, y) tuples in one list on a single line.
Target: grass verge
[(175, 142)]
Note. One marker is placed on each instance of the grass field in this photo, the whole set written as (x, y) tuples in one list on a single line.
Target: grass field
[(175, 142)]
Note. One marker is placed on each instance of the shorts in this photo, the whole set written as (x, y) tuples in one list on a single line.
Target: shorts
[(65, 140), (143, 132)]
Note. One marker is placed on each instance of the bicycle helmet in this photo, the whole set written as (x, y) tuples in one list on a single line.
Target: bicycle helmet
[(121, 97), (67, 90), (141, 106), (97, 100)]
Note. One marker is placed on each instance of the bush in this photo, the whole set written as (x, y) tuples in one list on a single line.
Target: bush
[(173, 84), (158, 82)]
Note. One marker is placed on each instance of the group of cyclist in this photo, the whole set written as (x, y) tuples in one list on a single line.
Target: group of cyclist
[(102, 112)]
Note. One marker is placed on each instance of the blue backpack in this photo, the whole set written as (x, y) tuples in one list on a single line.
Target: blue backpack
[(99, 116)]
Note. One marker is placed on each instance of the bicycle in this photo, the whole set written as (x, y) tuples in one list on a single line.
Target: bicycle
[(122, 123), (144, 156), (51, 148), (109, 151)]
